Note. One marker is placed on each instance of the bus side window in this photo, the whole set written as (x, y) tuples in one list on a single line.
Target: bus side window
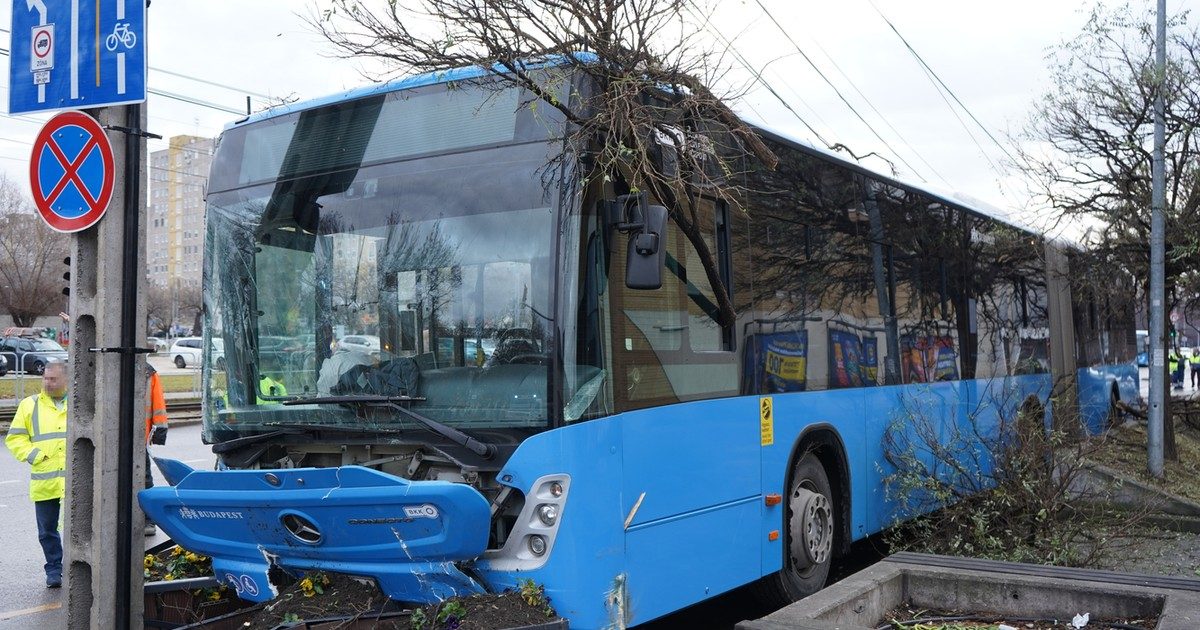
[(668, 343)]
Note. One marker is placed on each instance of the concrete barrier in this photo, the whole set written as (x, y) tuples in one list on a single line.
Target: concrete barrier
[(986, 586)]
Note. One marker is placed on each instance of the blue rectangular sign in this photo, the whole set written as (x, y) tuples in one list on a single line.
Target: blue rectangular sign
[(76, 54)]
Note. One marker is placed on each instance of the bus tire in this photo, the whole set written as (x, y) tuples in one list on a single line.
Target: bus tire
[(811, 527)]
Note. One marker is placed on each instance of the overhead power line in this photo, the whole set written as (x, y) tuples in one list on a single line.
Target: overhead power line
[(189, 77), (878, 113), (195, 101), (837, 91), (757, 75), (939, 81)]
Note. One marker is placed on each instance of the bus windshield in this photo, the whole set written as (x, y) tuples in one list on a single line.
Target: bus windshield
[(426, 278)]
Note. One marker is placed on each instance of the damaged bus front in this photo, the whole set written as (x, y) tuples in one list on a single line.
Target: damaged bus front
[(384, 270)]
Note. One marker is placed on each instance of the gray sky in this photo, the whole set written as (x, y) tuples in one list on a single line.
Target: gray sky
[(992, 54)]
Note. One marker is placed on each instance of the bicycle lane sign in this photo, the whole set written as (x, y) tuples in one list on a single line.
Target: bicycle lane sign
[(76, 54), (71, 172)]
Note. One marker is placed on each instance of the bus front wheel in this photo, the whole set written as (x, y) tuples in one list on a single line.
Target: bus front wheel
[(811, 526)]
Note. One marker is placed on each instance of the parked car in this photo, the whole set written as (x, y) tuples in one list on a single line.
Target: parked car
[(366, 344), (157, 344), (187, 351), (30, 354)]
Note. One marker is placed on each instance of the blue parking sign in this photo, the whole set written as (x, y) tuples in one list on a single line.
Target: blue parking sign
[(76, 54)]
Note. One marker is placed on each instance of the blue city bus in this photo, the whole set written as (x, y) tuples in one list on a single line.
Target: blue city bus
[(554, 400)]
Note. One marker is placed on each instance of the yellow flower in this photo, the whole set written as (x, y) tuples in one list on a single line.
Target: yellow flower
[(148, 561), (214, 596), (176, 551), (168, 577), (306, 585), (191, 557)]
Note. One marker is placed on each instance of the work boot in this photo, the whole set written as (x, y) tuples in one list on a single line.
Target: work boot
[(53, 581)]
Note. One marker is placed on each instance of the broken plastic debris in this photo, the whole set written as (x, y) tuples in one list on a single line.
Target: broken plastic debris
[(1080, 620), (1005, 626)]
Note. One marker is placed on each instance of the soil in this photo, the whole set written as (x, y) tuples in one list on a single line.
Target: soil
[(488, 612), (1147, 548), (348, 596), (926, 619), (343, 595), (1124, 450)]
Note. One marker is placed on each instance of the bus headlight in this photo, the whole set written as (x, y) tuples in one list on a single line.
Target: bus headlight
[(547, 514), (537, 544)]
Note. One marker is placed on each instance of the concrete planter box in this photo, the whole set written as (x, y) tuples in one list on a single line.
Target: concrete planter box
[(1006, 588), (171, 604)]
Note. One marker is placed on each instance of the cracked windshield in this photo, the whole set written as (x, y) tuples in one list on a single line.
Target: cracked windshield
[(428, 279)]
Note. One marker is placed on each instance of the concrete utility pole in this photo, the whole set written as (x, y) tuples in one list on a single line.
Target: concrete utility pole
[(1158, 388), (104, 541)]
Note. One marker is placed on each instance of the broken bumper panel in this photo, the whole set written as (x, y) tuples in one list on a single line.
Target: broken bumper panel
[(408, 535)]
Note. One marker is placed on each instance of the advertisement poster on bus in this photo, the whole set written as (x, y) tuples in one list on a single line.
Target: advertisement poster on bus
[(945, 366), (926, 359), (845, 359), (870, 360), (778, 361)]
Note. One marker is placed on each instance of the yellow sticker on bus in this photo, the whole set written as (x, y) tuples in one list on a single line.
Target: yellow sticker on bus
[(766, 421)]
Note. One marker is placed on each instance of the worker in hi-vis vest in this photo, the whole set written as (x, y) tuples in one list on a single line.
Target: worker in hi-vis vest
[(156, 426), (38, 437)]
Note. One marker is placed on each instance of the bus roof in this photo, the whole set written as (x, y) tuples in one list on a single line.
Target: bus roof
[(402, 83), (948, 197)]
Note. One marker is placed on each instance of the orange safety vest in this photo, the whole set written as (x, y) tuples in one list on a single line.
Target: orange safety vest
[(156, 405)]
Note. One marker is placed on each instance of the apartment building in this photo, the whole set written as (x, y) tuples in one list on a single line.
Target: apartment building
[(175, 225)]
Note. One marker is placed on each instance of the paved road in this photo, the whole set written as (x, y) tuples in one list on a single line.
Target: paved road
[(25, 602)]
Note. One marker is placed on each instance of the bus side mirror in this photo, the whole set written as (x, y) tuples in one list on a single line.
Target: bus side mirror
[(646, 256), (646, 226)]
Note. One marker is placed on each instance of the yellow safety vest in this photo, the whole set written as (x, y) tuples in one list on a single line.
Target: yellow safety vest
[(268, 386), (38, 436)]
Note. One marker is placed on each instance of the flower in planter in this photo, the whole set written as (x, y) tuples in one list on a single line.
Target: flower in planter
[(313, 585)]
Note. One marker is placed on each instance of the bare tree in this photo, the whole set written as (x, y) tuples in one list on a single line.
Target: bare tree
[(1088, 145), (31, 260), (645, 118), (189, 301), (158, 308)]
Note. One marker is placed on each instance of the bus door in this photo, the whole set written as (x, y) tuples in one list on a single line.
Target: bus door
[(691, 448)]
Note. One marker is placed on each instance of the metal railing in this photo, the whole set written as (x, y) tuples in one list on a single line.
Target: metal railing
[(183, 410)]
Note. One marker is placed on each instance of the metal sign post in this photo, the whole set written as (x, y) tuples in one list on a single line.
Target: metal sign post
[(104, 541)]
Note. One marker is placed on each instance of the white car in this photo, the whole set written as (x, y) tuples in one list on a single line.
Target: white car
[(187, 351), (157, 344), (366, 344)]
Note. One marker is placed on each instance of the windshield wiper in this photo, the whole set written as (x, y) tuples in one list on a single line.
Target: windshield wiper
[(482, 449)]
